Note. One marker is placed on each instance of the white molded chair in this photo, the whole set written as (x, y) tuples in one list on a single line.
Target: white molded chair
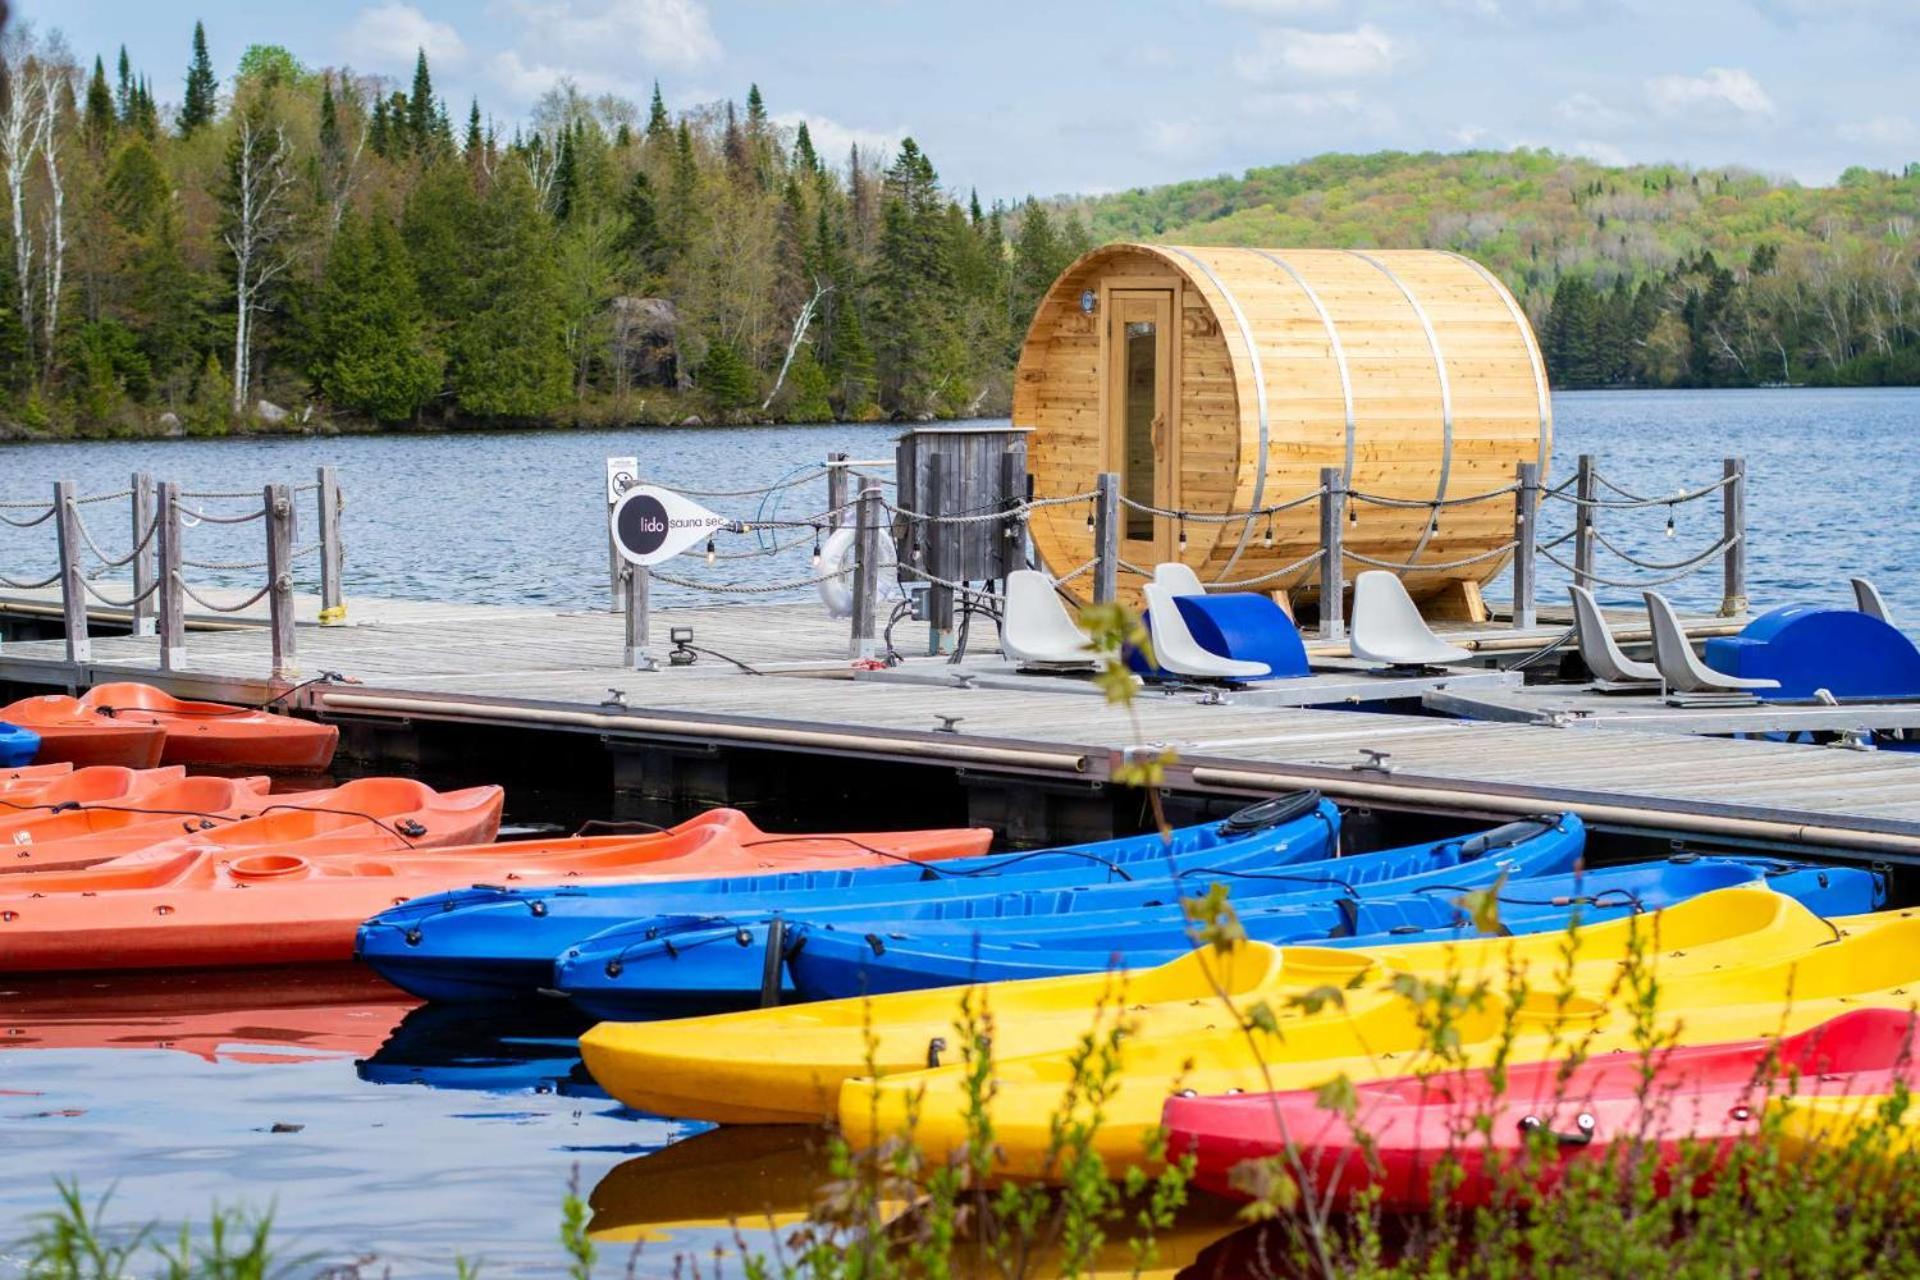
[(1680, 669), (1599, 650), (1868, 600), (1036, 629), (1175, 649), (1388, 628), (1179, 579)]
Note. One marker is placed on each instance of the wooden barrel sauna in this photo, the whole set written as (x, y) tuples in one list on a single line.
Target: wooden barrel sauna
[(1221, 380)]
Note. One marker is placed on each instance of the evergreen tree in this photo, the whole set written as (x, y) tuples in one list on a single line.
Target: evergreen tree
[(475, 144), (99, 118), (659, 128), (566, 177), (683, 194), (137, 189), (805, 158), (623, 136), (203, 88), (380, 130), (123, 89), (640, 237), (913, 286), (420, 108), (806, 392), (725, 378), (734, 146), (332, 145), (368, 350), (756, 112), (506, 351)]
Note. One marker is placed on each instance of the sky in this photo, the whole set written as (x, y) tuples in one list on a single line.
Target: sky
[(1044, 97)]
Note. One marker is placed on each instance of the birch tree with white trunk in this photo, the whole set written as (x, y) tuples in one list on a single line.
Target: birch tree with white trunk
[(258, 221), (50, 78)]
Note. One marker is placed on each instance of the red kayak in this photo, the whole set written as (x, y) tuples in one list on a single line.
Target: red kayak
[(213, 734), (196, 903), (74, 734), (1711, 1094)]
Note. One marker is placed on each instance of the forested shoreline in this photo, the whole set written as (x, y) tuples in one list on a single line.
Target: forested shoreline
[(291, 248)]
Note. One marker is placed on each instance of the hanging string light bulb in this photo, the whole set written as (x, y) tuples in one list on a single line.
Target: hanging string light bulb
[(1181, 524), (1353, 515), (1669, 519), (1090, 507), (712, 551), (1266, 539), (816, 546), (1433, 526)]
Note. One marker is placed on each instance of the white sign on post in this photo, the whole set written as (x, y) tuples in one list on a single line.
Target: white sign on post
[(651, 525), (622, 475)]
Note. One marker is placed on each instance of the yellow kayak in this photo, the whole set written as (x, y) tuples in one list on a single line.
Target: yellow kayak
[(1835, 1122), (786, 1065), (1778, 992)]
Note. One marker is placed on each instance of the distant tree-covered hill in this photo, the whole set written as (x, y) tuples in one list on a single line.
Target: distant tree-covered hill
[(1651, 275)]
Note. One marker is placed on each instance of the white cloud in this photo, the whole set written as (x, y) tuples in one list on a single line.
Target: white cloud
[(1364, 110), (1723, 92), (832, 140), (1588, 112), (1466, 135), (669, 33), (1883, 131), (1600, 152), (1332, 55), (1180, 139), (389, 35), (524, 81)]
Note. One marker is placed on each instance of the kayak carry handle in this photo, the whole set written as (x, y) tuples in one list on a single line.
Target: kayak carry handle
[(1582, 1136)]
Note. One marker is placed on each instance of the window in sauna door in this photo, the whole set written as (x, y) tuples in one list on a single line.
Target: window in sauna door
[(1139, 400)]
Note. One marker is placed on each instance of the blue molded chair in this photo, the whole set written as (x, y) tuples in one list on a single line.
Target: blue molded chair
[(1246, 626), (1850, 654)]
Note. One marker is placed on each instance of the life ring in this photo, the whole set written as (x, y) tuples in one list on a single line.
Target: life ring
[(835, 556)]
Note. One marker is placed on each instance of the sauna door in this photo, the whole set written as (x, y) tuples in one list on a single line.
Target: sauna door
[(1138, 439)]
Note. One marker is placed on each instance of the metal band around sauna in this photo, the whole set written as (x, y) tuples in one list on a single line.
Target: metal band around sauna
[(1260, 399), (1540, 394), (1339, 353), (1446, 392)]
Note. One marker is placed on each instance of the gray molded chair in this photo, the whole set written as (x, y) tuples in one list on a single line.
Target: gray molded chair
[(1179, 579), (1612, 669), (1175, 649), (1680, 669), (1037, 631), (1868, 600), (1388, 629)]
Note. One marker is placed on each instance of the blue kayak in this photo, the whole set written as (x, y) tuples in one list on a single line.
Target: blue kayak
[(489, 942), (18, 746), (648, 966), (831, 963)]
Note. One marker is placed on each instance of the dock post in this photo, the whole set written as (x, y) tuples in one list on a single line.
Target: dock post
[(172, 600), (1106, 538), (1526, 510), (939, 544), (1733, 533), (333, 601), (279, 505), (1333, 584), (836, 490), (73, 587), (866, 575), (143, 538), (639, 631), (1585, 490)]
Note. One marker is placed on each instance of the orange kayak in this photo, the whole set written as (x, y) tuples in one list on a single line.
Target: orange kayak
[(75, 734), (95, 784), (71, 838), (31, 777), (214, 734), (184, 909)]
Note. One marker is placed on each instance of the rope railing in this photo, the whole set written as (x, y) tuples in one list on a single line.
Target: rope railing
[(1430, 566), (1634, 502), (1430, 504), (1678, 571), (161, 516)]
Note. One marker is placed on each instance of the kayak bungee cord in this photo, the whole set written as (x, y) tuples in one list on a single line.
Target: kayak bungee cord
[(935, 871)]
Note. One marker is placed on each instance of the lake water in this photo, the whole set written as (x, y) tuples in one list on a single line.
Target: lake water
[(515, 518), (415, 1137)]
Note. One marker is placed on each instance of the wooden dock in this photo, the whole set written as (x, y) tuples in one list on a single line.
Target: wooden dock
[(407, 665)]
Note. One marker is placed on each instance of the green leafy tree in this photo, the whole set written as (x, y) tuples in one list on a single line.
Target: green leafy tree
[(369, 351), (203, 87), (270, 66)]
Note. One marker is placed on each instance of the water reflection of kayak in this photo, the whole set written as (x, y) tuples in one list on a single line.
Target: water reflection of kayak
[(264, 1015), (768, 1178), (530, 1048)]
